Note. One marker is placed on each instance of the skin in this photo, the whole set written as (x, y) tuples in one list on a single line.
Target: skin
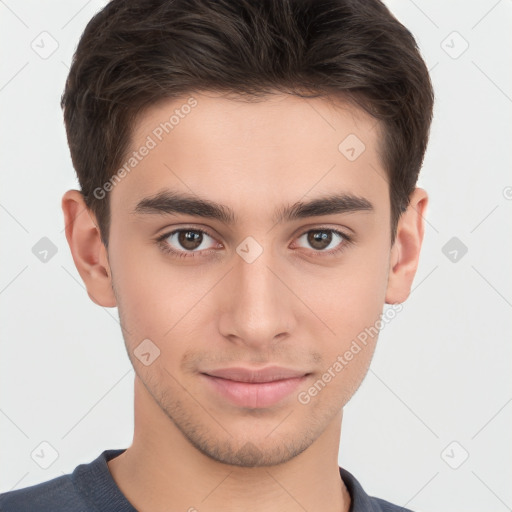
[(294, 306)]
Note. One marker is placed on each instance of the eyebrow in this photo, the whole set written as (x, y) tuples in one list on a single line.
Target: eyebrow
[(169, 202)]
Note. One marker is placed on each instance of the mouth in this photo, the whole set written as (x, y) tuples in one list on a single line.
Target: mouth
[(254, 388)]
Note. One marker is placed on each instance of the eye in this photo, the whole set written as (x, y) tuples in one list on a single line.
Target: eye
[(192, 242), (185, 242), (326, 240)]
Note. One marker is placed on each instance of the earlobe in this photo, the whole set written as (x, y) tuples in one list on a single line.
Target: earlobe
[(87, 249), (405, 252)]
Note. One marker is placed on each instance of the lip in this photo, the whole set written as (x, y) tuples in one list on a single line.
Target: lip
[(256, 375), (254, 388)]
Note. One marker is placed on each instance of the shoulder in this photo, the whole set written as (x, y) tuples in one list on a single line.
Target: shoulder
[(55, 495), (385, 506), (90, 485), (361, 501)]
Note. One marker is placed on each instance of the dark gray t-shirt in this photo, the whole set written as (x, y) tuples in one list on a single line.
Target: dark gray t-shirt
[(91, 488)]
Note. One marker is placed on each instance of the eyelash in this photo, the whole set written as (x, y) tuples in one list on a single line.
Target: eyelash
[(166, 248)]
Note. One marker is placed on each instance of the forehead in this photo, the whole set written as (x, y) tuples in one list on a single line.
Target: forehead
[(237, 151)]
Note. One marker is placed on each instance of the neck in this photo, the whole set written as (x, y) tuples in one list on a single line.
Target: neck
[(162, 467)]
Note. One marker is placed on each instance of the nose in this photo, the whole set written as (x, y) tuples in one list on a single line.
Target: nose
[(256, 308)]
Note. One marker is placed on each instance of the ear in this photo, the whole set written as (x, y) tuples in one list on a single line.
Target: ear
[(88, 251), (405, 252)]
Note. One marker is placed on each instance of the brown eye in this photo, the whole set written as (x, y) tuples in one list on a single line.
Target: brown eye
[(319, 240), (325, 240), (190, 240), (186, 242)]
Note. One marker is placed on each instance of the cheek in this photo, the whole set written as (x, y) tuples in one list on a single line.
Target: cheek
[(350, 303), (347, 299), (160, 302), (352, 313), (145, 300), (345, 366), (144, 285)]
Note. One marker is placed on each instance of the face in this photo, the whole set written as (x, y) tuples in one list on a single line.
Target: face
[(264, 282)]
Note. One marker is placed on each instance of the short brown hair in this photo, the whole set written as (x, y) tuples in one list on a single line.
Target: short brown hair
[(135, 53)]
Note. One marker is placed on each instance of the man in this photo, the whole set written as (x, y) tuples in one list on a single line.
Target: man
[(248, 201)]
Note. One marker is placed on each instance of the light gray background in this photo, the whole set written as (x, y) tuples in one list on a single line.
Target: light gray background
[(442, 369)]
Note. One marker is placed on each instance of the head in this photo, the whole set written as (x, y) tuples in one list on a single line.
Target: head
[(237, 122)]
